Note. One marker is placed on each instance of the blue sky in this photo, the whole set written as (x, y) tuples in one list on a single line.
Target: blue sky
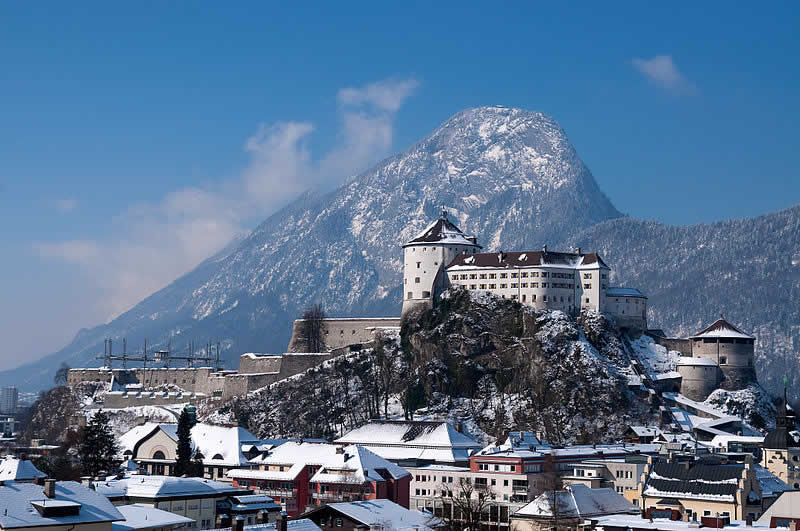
[(120, 122)]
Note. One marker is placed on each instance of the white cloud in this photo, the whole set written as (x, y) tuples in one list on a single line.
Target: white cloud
[(155, 243), (65, 205), (662, 71)]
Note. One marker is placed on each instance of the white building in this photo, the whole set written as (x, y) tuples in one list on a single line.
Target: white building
[(442, 256), (8, 399)]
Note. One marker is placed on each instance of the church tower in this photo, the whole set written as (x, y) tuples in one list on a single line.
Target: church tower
[(425, 259)]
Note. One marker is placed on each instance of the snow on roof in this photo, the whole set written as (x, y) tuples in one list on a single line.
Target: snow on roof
[(17, 501), (523, 439), (442, 231), (722, 328), (578, 501), (626, 521), (301, 524), (769, 483), (418, 436), (387, 515), (163, 486), (646, 431), (350, 464), (13, 468), (221, 445), (505, 260), (140, 516), (599, 450), (688, 360), (616, 291)]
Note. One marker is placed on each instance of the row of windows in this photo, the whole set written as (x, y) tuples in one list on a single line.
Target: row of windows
[(515, 285), (497, 468), (524, 274)]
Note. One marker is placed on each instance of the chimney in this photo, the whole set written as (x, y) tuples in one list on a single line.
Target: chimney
[(544, 248), (238, 523), (50, 488), (749, 521), (282, 522)]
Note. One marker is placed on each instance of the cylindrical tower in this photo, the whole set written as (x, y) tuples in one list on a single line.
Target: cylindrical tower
[(699, 377), (425, 258), (731, 349)]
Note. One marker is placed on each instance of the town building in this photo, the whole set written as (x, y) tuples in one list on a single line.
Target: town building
[(194, 498), (154, 448), (414, 443), (9, 397), (301, 475), (140, 517), (784, 511), (54, 506), (781, 452), (568, 509), (706, 487), (373, 514), (443, 256)]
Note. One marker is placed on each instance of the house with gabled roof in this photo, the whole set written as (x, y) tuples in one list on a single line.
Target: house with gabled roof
[(300, 475)]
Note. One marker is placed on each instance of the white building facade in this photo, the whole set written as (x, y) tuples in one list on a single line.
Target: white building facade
[(442, 256)]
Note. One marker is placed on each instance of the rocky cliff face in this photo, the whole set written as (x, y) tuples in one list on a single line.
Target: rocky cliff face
[(488, 363)]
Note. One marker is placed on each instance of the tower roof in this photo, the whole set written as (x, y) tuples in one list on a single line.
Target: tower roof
[(443, 231), (722, 328)]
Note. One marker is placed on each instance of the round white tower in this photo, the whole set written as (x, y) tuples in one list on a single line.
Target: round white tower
[(425, 259)]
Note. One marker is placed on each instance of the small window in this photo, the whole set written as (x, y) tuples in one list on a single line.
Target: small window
[(425, 295), (418, 264), (410, 294), (723, 360), (416, 280)]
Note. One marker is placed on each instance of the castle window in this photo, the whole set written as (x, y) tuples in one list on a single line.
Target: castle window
[(587, 275), (503, 275), (545, 273), (589, 286), (503, 286), (418, 265), (473, 276), (472, 286), (524, 284), (544, 298), (513, 284), (492, 286), (482, 286), (425, 295), (514, 275), (544, 284), (533, 297), (410, 294), (483, 275), (723, 360), (416, 280)]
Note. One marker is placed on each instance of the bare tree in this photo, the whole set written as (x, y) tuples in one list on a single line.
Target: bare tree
[(312, 328), (386, 371), (469, 502), (553, 488)]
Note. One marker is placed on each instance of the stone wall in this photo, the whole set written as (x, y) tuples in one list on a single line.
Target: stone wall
[(115, 400), (699, 381), (734, 356), (684, 346), (342, 332)]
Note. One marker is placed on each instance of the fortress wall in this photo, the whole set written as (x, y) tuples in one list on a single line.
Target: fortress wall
[(342, 332), (241, 384), (684, 346), (121, 400), (258, 363), (296, 362), (735, 358)]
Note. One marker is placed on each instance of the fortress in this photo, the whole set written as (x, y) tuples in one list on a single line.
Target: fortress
[(439, 258)]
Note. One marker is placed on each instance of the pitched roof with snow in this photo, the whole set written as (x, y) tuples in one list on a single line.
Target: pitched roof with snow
[(18, 502), (423, 440), (353, 464), (505, 260), (301, 524), (140, 516), (385, 514), (699, 481), (13, 468), (577, 501), (442, 231), (616, 291), (152, 487), (722, 328)]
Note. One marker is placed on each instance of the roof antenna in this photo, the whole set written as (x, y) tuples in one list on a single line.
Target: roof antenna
[(443, 214)]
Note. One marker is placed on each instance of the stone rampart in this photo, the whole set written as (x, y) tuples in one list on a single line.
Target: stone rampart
[(117, 399), (343, 332), (684, 346)]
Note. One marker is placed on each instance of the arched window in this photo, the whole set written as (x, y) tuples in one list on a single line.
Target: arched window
[(158, 454), (217, 456)]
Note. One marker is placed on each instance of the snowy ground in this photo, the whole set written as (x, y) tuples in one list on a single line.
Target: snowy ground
[(655, 358)]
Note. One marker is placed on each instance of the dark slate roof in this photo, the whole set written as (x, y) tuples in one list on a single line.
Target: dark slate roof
[(442, 231), (527, 259), (698, 480), (722, 328)]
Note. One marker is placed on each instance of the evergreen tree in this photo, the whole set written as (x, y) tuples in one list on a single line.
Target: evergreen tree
[(98, 447), (183, 465)]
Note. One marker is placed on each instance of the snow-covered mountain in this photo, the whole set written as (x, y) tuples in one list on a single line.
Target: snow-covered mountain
[(509, 176)]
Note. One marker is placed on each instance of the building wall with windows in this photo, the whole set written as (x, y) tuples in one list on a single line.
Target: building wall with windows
[(785, 464), (735, 357), (423, 266)]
